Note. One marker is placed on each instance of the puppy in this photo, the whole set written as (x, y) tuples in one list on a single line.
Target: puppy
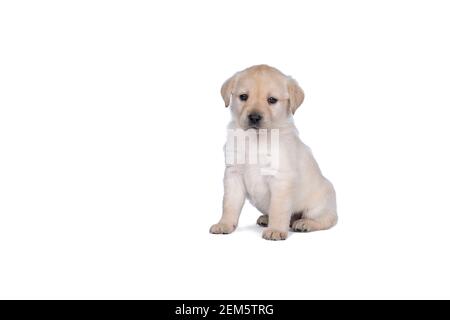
[(294, 193)]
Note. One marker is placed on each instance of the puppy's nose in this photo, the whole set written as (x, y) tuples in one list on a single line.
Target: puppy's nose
[(254, 118)]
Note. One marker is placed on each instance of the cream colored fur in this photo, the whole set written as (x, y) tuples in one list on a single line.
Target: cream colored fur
[(297, 196)]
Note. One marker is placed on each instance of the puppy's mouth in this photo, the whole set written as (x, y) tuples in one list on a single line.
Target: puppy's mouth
[(254, 127), (258, 126)]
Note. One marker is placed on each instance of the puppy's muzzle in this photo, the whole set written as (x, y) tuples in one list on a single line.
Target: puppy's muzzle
[(254, 119)]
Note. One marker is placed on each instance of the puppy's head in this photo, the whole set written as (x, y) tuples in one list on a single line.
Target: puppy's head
[(261, 97)]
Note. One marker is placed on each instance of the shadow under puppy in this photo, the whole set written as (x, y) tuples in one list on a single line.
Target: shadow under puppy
[(295, 194)]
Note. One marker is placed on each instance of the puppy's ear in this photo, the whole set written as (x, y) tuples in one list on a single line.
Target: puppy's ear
[(296, 94), (227, 88)]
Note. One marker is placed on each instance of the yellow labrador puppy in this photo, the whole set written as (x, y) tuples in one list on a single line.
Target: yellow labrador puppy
[(294, 193)]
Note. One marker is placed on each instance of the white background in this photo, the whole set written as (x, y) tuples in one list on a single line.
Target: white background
[(111, 134)]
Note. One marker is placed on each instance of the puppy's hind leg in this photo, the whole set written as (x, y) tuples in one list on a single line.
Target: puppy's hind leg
[(315, 220), (263, 220)]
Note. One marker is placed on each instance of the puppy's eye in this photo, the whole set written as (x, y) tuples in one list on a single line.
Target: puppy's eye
[(272, 100), (243, 97)]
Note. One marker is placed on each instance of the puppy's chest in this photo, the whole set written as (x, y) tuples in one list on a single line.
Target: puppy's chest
[(257, 174), (257, 186)]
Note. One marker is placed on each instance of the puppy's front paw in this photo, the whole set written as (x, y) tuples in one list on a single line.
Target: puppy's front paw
[(221, 228), (270, 234)]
